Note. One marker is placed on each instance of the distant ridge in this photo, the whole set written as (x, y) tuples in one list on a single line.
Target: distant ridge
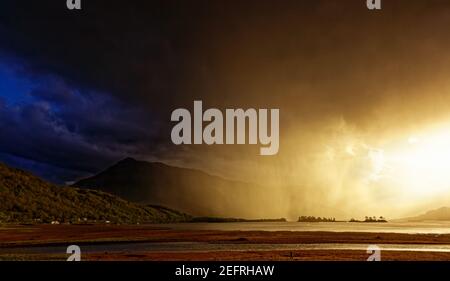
[(189, 190), (28, 199), (441, 214)]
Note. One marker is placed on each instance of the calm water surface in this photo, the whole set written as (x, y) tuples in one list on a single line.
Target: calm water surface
[(422, 227), (207, 247), (133, 247)]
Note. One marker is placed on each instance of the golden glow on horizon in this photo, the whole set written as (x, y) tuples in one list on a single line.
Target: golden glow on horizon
[(418, 167), (423, 166)]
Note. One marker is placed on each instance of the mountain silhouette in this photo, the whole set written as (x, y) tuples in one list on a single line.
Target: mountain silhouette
[(440, 214), (28, 199), (189, 190)]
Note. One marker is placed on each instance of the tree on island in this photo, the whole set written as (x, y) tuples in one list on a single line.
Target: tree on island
[(315, 219), (370, 219)]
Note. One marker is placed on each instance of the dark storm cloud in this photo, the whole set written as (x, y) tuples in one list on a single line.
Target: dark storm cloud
[(124, 49), (162, 54), (99, 118), (133, 63), (32, 131), (120, 58), (64, 132), (158, 52), (54, 91)]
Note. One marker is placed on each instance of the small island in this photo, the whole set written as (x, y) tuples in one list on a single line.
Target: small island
[(315, 219), (367, 219), (370, 219)]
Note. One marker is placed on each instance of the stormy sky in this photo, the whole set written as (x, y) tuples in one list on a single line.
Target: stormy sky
[(80, 90)]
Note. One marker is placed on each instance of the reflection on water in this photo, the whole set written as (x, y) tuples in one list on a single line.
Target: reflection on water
[(133, 247), (207, 247), (422, 227)]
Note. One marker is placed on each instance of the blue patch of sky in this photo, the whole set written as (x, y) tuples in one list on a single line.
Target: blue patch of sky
[(14, 88)]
